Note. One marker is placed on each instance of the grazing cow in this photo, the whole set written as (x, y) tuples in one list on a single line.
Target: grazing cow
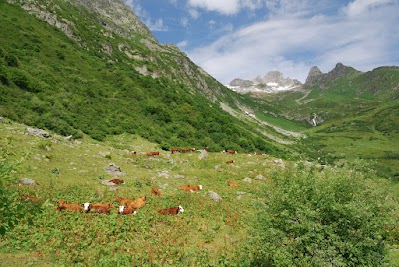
[(63, 205), (175, 210), (233, 184), (230, 161), (30, 199), (98, 207), (153, 153), (184, 150), (126, 210), (230, 151), (258, 153), (191, 188), (155, 191), (116, 181), (174, 150), (192, 149)]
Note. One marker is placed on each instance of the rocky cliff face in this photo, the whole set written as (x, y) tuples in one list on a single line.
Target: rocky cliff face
[(117, 17), (272, 82), (316, 77)]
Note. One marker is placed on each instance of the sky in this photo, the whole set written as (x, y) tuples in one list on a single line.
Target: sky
[(247, 38)]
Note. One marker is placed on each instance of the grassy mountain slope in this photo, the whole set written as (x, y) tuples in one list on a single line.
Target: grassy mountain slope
[(90, 80)]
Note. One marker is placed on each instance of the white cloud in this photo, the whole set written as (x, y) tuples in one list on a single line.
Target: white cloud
[(182, 44), (226, 7), (194, 13), (292, 44), (358, 7)]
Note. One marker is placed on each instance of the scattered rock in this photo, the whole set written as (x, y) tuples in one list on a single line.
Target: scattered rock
[(177, 176), (27, 181), (203, 154), (68, 138), (113, 169), (37, 132), (279, 162), (260, 177), (214, 196), (247, 180), (164, 174)]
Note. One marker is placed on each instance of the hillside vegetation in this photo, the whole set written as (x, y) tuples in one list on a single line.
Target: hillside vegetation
[(104, 85)]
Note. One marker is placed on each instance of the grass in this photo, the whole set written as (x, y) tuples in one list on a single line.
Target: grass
[(71, 171), (206, 234)]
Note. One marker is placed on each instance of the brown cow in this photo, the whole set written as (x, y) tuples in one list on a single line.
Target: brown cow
[(117, 181), (184, 150), (63, 205), (191, 188), (174, 150), (138, 203), (155, 191), (230, 151), (230, 161), (153, 153), (233, 184), (125, 210), (173, 211), (98, 207)]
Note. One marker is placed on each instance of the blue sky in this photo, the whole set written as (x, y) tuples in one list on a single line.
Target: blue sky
[(246, 38)]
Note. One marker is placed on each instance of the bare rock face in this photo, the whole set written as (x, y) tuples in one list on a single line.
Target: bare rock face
[(313, 76)]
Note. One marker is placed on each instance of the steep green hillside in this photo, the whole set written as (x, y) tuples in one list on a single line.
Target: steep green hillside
[(83, 78)]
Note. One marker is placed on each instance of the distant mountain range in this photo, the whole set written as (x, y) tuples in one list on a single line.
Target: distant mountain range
[(275, 81)]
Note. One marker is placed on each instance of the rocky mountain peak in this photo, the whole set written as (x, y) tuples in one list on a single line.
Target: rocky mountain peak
[(271, 82), (316, 77)]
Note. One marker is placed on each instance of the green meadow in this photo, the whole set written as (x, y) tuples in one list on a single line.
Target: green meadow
[(281, 214)]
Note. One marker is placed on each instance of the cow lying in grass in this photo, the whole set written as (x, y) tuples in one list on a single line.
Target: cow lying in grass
[(63, 205), (191, 188), (117, 181), (155, 191), (233, 184), (138, 203), (173, 211), (126, 210), (103, 208)]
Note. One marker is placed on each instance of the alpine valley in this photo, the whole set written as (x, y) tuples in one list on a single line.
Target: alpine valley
[(312, 178)]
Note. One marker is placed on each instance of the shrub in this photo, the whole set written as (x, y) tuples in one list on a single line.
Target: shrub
[(314, 220)]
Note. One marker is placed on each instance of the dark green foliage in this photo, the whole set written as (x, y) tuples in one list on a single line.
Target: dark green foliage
[(12, 210), (51, 82), (333, 220)]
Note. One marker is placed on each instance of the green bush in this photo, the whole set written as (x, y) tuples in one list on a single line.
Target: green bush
[(320, 220)]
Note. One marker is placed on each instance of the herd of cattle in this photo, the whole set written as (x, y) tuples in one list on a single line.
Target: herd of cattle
[(129, 206), (125, 205)]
